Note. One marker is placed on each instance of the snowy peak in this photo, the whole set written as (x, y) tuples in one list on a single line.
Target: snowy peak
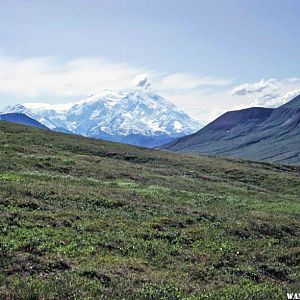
[(18, 108), (140, 112)]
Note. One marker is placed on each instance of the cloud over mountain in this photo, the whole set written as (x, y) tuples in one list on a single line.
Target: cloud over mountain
[(52, 80), (38, 78), (270, 92)]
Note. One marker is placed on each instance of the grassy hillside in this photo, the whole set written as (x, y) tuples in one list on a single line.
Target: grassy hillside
[(86, 219)]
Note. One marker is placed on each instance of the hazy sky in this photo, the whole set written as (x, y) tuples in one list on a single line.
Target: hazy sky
[(205, 56)]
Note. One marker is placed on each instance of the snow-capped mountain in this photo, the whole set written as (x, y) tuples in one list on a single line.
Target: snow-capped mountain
[(139, 117)]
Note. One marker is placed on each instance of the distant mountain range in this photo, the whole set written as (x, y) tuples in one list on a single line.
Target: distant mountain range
[(142, 117), (21, 119), (253, 133), (138, 117)]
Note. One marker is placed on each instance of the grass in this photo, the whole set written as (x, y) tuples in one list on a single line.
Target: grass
[(86, 219)]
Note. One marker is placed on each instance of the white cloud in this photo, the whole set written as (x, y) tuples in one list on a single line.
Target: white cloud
[(252, 88), (141, 80), (269, 93), (37, 79), (203, 97)]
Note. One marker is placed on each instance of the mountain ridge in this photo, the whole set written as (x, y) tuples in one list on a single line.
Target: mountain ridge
[(253, 133), (22, 119)]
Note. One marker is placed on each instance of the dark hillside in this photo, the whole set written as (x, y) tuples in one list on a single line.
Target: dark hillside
[(86, 219), (253, 133), (229, 120), (228, 126), (21, 119), (294, 103)]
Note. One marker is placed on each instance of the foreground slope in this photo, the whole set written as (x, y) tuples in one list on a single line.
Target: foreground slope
[(253, 133), (82, 218)]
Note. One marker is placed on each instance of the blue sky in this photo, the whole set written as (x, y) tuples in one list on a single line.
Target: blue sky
[(205, 56)]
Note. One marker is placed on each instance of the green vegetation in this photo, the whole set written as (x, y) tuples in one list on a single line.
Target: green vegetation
[(86, 219)]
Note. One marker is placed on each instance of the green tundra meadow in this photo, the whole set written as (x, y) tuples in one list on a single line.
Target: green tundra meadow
[(86, 219)]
